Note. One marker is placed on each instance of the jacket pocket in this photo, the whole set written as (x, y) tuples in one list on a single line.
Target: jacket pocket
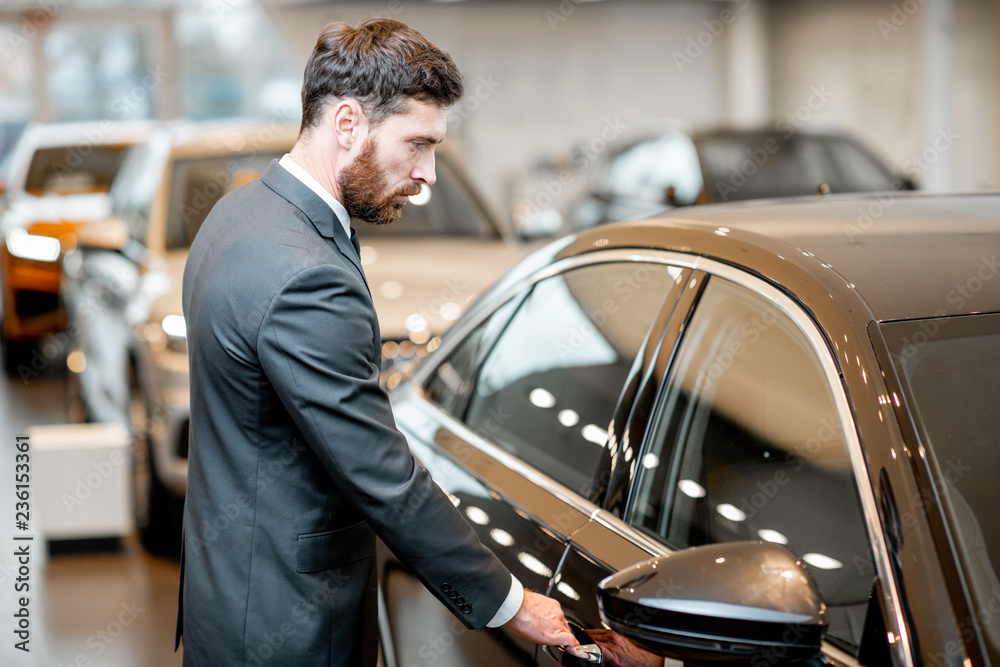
[(315, 552)]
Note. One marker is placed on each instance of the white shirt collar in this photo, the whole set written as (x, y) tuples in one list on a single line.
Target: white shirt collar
[(298, 172)]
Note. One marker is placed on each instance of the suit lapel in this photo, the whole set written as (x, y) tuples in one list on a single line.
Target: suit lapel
[(354, 242), (298, 194)]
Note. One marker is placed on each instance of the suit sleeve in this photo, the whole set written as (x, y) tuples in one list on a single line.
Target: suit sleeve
[(316, 347)]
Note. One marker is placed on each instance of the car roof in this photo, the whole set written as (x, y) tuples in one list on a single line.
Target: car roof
[(774, 129), (40, 136), (656, 127), (233, 135), (89, 133), (901, 255)]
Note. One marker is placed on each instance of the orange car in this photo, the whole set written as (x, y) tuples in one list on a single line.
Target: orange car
[(57, 179)]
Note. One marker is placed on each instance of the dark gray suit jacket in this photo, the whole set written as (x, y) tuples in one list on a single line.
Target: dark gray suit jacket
[(295, 461)]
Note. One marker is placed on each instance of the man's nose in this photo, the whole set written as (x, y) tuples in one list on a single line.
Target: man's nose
[(423, 171)]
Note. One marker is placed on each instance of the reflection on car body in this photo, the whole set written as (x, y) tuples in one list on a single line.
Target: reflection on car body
[(731, 375)]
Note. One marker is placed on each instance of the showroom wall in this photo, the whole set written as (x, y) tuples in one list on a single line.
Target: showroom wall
[(886, 84), (542, 79), (545, 76)]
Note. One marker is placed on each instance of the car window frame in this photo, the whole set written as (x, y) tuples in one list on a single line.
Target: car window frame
[(684, 453), (823, 350), (672, 334), (519, 290)]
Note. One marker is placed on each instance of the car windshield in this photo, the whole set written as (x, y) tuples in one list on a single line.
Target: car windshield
[(760, 166), (662, 169), (950, 370), (196, 184), (72, 169)]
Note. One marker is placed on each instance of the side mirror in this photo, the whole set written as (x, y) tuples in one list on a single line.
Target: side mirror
[(730, 601)]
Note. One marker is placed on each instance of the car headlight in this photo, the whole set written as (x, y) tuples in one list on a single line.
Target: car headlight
[(32, 246)]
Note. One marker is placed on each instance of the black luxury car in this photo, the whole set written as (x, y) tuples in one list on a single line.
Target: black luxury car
[(657, 171), (790, 406)]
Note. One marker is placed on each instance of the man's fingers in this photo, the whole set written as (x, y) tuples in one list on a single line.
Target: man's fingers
[(541, 620), (565, 638)]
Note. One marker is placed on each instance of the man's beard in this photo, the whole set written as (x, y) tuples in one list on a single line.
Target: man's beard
[(363, 186)]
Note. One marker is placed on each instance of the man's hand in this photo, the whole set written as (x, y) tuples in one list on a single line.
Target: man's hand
[(540, 619)]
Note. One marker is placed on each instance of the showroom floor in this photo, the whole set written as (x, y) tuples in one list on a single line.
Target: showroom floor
[(97, 602)]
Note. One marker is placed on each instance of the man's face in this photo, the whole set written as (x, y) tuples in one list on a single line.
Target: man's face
[(397, 157)]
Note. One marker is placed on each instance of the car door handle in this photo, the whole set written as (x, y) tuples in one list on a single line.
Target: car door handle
[(594, 655)]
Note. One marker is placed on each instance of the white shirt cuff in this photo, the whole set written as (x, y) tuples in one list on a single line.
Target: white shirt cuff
[(510, 606)]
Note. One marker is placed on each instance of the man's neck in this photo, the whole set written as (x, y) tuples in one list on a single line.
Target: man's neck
[(321, 167)]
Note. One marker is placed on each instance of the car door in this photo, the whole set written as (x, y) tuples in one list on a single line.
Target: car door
[(513, 423), (749, 437)]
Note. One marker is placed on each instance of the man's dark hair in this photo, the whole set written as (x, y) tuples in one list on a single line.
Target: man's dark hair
[(381, 63)]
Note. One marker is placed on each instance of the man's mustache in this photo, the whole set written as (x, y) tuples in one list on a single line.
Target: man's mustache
[(410, 191)]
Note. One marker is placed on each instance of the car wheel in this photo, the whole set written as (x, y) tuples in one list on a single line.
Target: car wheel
[(158, 513)]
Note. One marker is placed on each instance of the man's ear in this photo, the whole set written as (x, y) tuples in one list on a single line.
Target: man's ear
[(348, 120)]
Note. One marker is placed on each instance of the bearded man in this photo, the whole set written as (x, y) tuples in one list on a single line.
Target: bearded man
[(295, 464)]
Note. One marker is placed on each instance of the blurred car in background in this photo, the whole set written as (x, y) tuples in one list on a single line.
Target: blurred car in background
[(55, 179), (653, 174), (122, 291), (715, 389), (122, 287), (672, 166)]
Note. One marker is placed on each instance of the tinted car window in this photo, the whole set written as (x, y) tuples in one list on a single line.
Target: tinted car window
[(756, 166), (951, 368), (856, 170), (547, 390), (748, 445), (451, 382), (196, 184)]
